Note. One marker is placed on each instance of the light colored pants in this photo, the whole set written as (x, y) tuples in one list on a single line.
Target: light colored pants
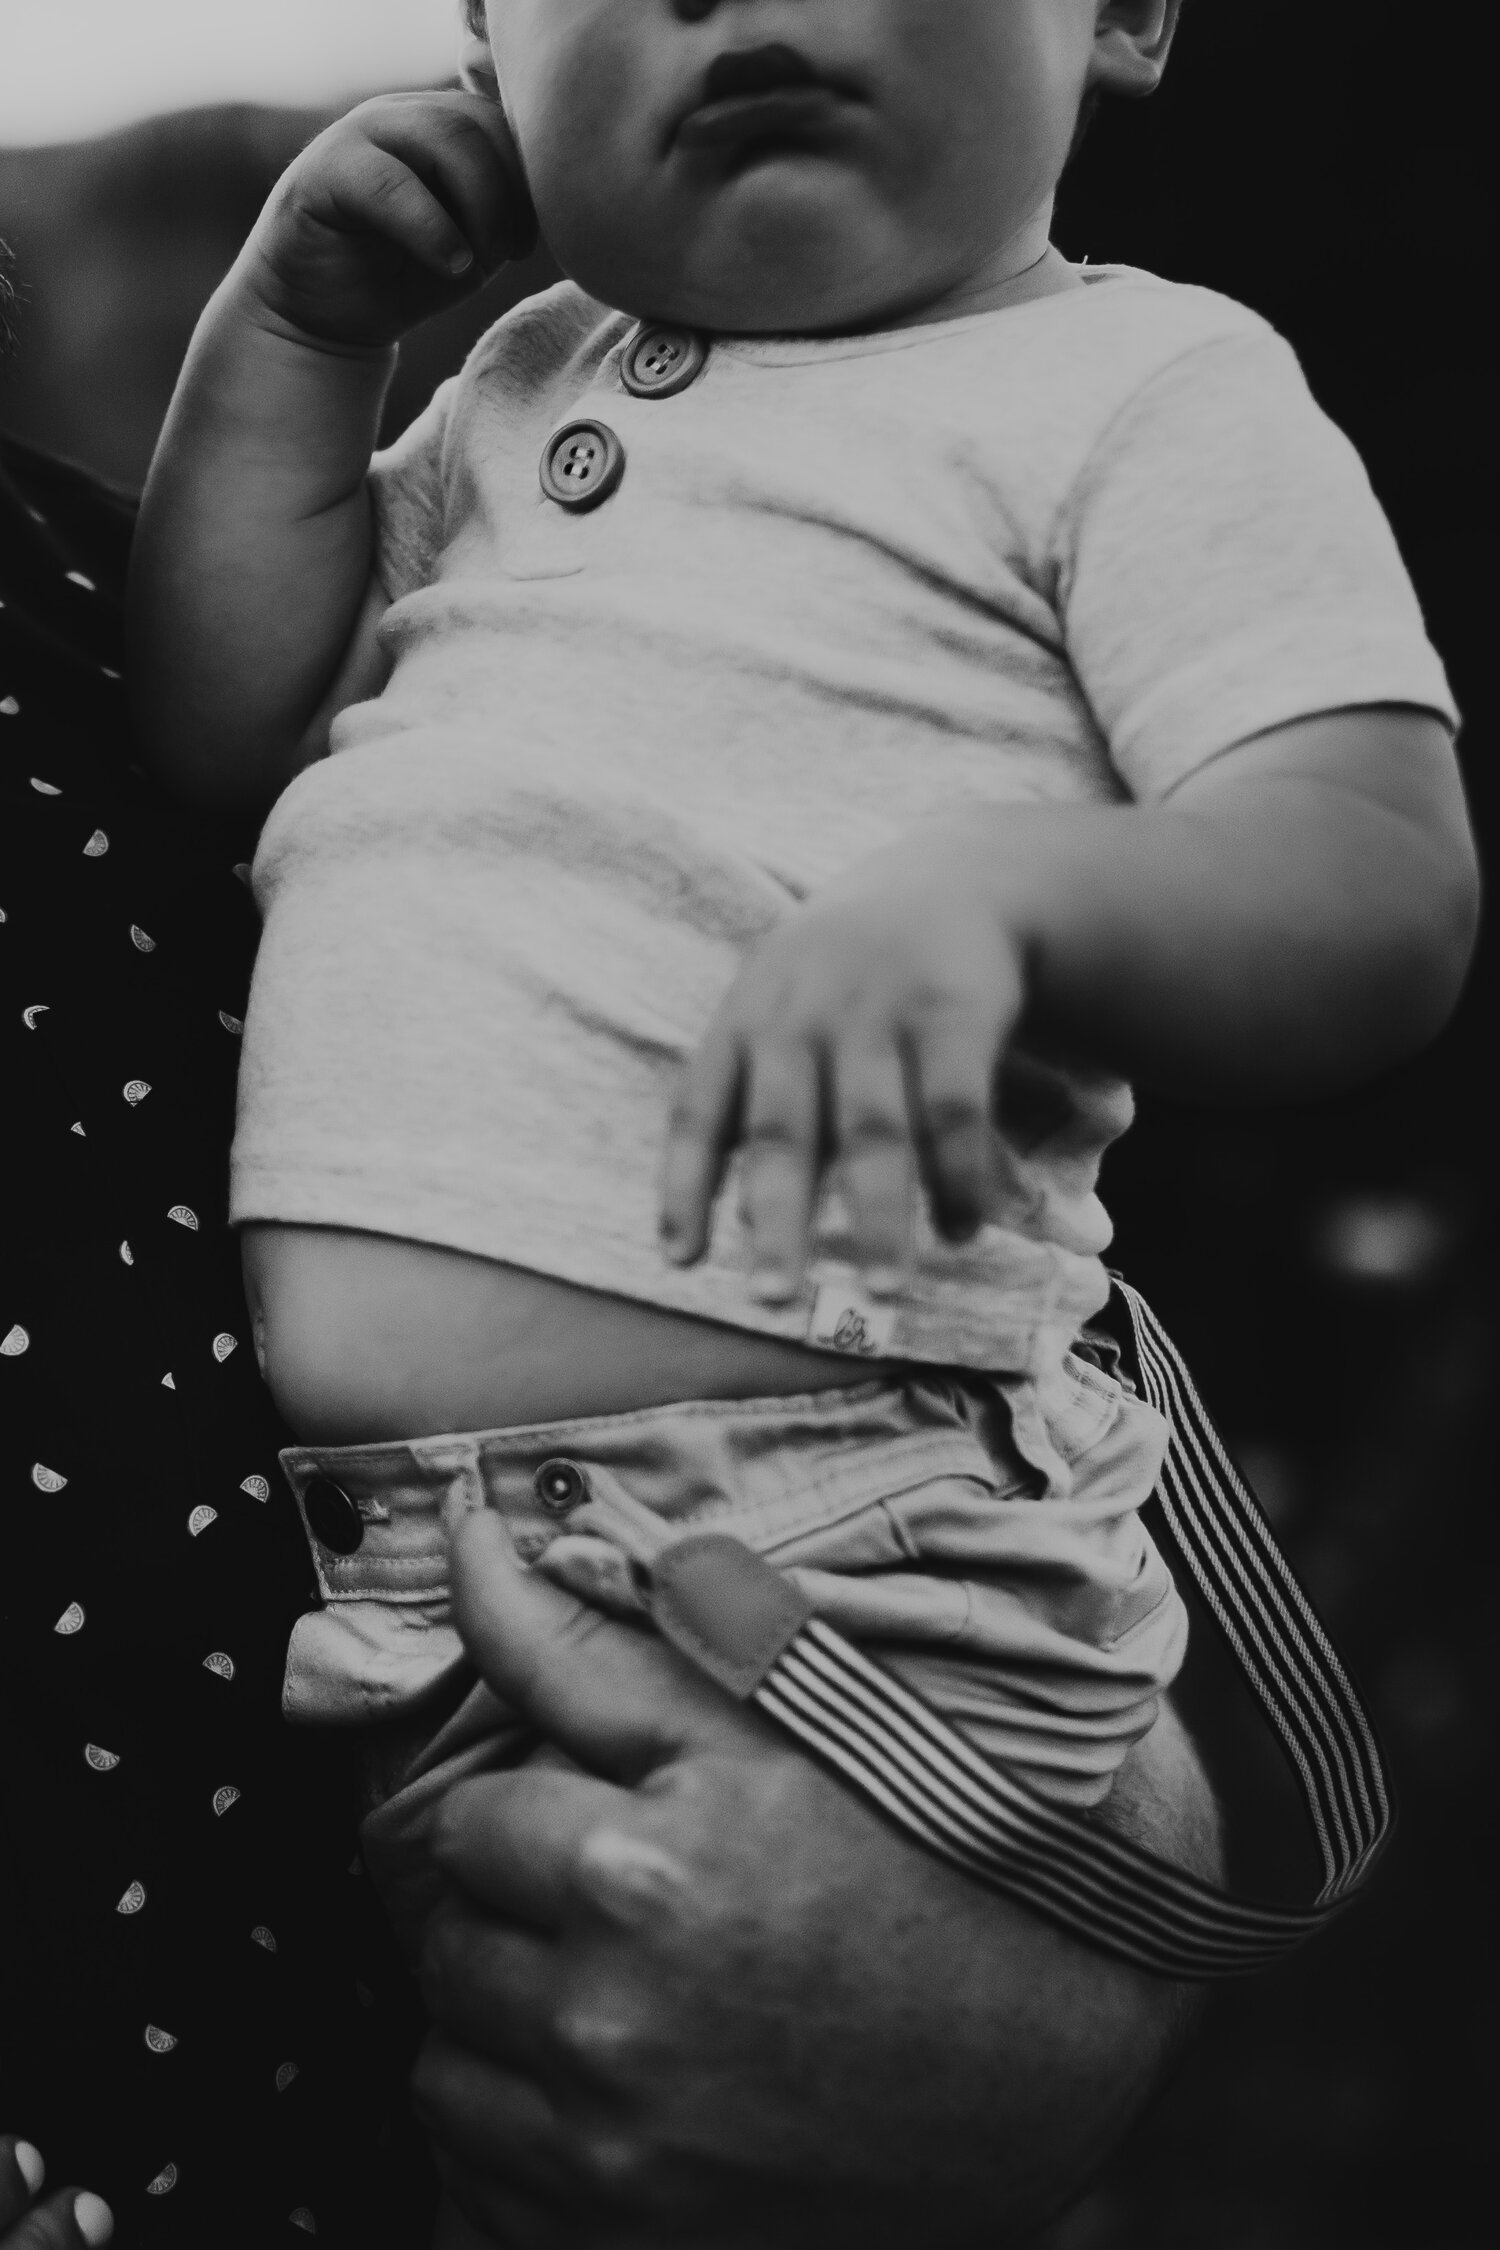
[(979, 1534)]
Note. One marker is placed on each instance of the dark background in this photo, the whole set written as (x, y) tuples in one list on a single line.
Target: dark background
[(1327, 1271)]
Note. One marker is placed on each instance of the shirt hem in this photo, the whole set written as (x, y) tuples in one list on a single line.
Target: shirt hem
[(934, 1325)]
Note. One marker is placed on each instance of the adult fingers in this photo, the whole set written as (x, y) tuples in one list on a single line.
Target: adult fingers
[(73, 2219), (491, 1986), (481, 2213), (610, 1695), (22, 2173), (955, 1057), (488, 2117), (524, 1844), (516, 2170), (452, 2230), (873, 1136), (700, 1133)]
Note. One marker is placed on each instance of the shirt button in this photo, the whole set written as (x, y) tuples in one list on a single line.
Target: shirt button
[(560, 1486), (332, 1516), (582, 463), (658, 361)]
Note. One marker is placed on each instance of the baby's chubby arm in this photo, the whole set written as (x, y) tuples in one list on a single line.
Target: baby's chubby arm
[(251, 602), (1296, 915)]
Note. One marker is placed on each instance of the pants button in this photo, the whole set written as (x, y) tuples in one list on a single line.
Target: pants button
[(334, 1520), (559, 1486)]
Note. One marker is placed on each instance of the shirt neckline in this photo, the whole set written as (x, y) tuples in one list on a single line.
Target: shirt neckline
[(792, 351)]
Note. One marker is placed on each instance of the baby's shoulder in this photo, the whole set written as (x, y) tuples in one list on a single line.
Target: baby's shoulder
[(1090, 350), (1129, 302), (1040, 389)]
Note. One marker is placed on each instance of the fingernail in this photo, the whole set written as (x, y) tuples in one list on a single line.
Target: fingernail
[(884, 1281), (770, 1286), (93, 2218), (31, 2167), (459, 261)]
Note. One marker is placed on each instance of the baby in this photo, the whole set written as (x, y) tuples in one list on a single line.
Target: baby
[(830, 693)]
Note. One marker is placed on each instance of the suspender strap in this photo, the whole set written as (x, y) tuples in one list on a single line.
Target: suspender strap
[(1291, 1665), (745, 1624)]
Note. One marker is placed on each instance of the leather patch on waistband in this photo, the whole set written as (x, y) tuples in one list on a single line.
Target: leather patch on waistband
[(728, 1611)]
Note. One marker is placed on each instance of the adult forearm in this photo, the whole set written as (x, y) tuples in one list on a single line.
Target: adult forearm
[(253, 550)]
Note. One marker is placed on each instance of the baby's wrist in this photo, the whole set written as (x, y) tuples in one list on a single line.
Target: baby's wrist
[(259, 298), (260, 397)]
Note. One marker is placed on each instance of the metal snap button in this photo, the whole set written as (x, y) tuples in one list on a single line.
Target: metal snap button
[(560, 1486), (582, 463), (334, 1520), (660, 361)]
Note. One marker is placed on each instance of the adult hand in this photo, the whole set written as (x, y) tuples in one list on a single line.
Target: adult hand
[(688, 1989), (74, 2219)]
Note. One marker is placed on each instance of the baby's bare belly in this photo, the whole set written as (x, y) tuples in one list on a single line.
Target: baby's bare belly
[(365, 1336)]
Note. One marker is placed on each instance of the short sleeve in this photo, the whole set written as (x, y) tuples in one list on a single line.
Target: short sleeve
[(1224, 568), (406, 488)]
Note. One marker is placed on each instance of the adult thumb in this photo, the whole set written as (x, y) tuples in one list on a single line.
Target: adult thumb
[(613, 1696)]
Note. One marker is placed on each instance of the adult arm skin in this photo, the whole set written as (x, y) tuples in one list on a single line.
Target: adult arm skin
[(688, 1989)]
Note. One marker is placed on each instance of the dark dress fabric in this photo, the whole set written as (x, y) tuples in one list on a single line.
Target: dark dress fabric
[(199, 2016)]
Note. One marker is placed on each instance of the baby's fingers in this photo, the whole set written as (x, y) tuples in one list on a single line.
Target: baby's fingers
[(700, 1134), (460, 148), (955, 1061), (377, 189), (877, 1162), (782, 1140)]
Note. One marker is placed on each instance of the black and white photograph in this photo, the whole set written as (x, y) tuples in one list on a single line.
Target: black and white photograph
[(745, 1320)]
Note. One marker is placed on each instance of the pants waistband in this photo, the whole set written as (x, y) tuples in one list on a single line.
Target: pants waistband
[(687, 1464)]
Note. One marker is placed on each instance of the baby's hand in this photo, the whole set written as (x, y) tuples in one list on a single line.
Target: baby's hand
[(71, 2220), (402, 208), (866, 1033)]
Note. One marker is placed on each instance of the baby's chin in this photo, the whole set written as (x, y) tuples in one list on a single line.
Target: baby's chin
[(772, 254)]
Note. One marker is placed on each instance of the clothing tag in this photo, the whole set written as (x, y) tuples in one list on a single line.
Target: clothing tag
[(846, 1318)]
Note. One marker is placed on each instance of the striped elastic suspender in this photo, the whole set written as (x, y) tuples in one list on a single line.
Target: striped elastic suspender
[(894, 1747)]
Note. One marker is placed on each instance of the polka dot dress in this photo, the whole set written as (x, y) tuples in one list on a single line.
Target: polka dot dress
[(203, 2020)]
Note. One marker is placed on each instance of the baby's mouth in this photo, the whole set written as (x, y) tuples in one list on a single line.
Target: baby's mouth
[(761, 94)]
